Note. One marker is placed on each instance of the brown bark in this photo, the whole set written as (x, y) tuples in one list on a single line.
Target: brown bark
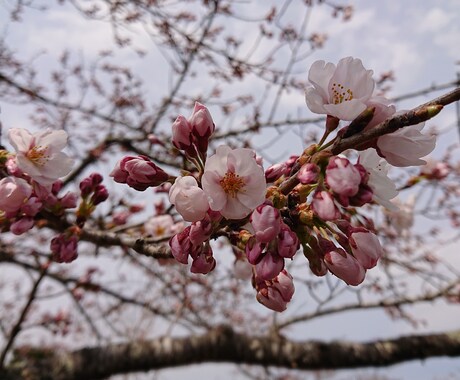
[(223, 344)]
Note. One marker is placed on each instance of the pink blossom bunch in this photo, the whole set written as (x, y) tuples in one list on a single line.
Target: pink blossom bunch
[(193, 242), (275, 294), (276, 171), (312, 201), (359, 250), (346, 90), (93, 192), (64, 248), (273, 241), (21, 201), (192, 135)]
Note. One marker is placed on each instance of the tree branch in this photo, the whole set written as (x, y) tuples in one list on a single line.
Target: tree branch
[(415, 116), (223, 344)]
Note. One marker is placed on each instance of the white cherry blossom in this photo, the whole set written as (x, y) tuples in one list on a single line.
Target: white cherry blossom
[(40, 154), (234, 182), (406, 146), (341, 91), (383, 188)]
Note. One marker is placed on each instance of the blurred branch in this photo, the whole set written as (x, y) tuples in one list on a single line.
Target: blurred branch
[(223, 344), (140, 245), (444, 292), (17, 326)]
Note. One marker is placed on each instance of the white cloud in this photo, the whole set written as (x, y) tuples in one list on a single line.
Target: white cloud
[(434, 20)]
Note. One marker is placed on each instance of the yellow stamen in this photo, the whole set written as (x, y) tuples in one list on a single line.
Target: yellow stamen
[(37, 155), (340, 94), (232, 183)]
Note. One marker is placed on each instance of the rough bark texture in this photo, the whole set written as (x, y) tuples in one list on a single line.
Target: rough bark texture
[(224, 345)]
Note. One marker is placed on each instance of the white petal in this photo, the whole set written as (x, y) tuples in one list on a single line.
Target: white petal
[(346, 110), (319, 76), (216, 195), (20, 139), (55, 140)]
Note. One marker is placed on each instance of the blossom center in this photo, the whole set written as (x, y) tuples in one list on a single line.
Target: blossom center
[(160, 231), (341, 94), (37, 155), (232, 183)]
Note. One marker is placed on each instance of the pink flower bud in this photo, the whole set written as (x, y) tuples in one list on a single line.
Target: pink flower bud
[(342, 177), (345, 266), (181, 246), (121, 217), (288, 242), (363, 196), (69, 200), (275, 172), (32, 206), (277, 293), (57, 186), (86, 186), (269, 266), (155, 140), (363, 173), (366, 247), (254, 250), (308, 173), (190, 200), (201, 122), (201, 231), (182, 133), (323, 205), (435, 170), (13, 194), (138, 173), (12, 167), (266, 221), (22, 225), (204, 262), (96, 179), (100, 195), (64, 249)]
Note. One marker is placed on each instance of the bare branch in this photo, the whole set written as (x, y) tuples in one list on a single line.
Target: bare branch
[(223, 344)]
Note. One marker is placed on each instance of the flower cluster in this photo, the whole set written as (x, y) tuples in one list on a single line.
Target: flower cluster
[(312, 200), (29, 185), (311, 203), (30, 188), (346, 90)]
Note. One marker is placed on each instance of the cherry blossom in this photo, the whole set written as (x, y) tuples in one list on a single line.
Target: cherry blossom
[(406, 146), (308, 173), (323, 205), (366, 247), (277, 293), (342, 177), (383, 188), (139, 173), (159, 226), (345, 266), (14, 192), (40, 155), (190, 200), (340, 91), (266, 221), (234, 182), (435, 170)]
